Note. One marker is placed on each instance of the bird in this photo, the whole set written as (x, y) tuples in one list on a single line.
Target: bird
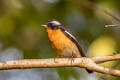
[(62, 41)]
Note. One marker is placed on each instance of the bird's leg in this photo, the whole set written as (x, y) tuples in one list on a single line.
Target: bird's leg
[(72, 58)]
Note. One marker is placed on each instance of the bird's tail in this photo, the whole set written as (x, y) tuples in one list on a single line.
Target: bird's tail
[(83, 55), (89, 71)]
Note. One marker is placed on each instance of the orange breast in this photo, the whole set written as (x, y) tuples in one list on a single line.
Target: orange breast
[(60, 42)]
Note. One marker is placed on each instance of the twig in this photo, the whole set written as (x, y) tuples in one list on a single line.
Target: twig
[(112, 25)]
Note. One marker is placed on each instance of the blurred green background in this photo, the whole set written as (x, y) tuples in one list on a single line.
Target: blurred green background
[(21, 36)]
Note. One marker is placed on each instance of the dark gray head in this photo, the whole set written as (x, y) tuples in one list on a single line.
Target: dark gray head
[(53, 24)]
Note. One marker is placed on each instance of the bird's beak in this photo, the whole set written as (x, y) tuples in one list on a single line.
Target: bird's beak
[(44, 25)]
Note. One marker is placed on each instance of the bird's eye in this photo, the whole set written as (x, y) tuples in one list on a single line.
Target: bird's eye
[(52, 26)]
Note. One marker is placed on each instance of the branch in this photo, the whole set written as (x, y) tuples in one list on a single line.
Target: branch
[(88, 63), (101, 59)]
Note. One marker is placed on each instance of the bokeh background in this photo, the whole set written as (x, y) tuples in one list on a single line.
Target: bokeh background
[(21, 36)]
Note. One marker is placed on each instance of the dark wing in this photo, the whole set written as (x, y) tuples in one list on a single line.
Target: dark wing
[(71, 37)]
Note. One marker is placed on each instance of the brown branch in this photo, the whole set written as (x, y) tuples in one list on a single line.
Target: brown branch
[(88, 63), (112, 15)]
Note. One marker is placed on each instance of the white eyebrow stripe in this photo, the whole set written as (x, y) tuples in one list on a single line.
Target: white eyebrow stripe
[(55, 22), (70, 35)]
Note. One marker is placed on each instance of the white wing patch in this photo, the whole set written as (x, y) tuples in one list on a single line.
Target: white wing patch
[(70, 35)]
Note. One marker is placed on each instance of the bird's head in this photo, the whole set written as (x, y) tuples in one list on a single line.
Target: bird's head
[(52, 24)]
